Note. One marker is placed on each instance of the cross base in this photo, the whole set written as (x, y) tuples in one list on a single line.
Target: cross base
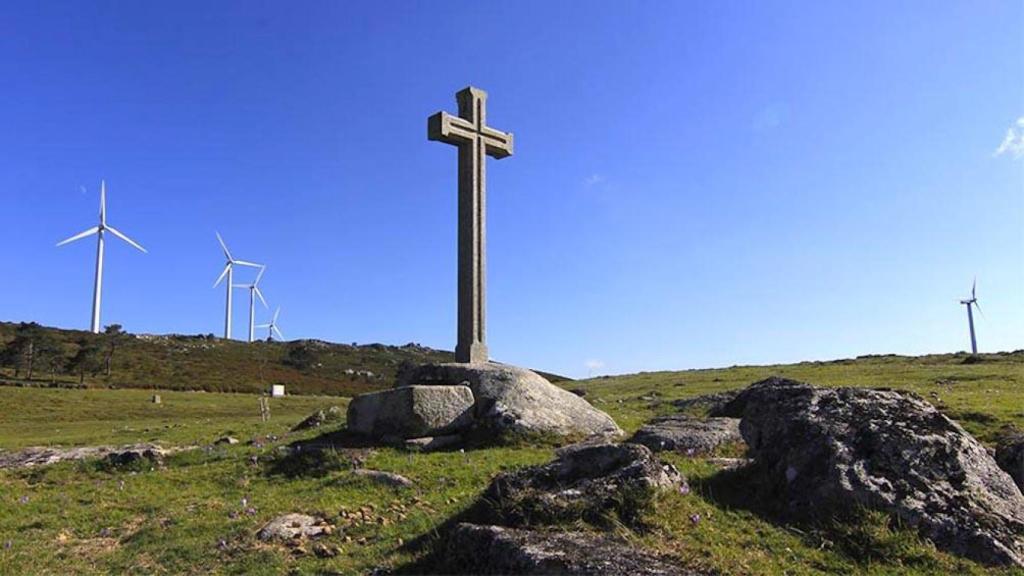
[(472, 353)]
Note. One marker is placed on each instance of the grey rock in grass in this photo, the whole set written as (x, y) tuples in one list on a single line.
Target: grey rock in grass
[(320, 418), (476, 549), (384, 478), (511, 400), (42, 456), (292, 526), (1010, 455), (135, 454), (412, 411), (228, 440), (433, 443), (827, 449), (585, 481), (688, 435)]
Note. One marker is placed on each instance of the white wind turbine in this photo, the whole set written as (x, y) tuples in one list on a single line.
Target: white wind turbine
[(254, 292), (100, 232), (229, 271), (969, 302), (272, 326)]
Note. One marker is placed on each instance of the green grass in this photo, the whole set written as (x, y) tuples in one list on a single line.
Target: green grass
[(188, 517)]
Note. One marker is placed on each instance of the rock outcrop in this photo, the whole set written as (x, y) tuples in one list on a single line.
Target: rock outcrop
[(389, 479), (412, 411), (474, 549), (825, 450), (517, 401), (584, 482), (1010, 455), (320, 418), (688, 435), (116, 455)]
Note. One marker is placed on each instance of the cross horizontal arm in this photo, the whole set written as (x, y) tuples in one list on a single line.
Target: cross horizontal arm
[(444, 127)]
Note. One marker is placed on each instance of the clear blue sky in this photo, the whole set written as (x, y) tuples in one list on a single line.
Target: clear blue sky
[(695, 183)]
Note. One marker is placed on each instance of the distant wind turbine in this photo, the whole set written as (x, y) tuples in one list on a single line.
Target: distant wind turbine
[(272, 326), (969, 302), (100, 232), (229, 272), (254, 291)]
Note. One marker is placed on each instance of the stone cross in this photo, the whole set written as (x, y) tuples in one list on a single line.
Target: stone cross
[(476, 140)]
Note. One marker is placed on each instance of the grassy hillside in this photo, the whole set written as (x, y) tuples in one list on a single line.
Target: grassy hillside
[(216, 365), (199, 513)]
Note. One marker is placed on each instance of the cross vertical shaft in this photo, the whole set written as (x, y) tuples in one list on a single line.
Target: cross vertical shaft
[(476, 141)]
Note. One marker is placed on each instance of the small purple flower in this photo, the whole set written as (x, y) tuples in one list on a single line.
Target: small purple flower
[(690, 452), (684, 489), (8, 544), (105, 532), (250, 511), (695, 519), (23, 500), (222, 544), (233, 515)]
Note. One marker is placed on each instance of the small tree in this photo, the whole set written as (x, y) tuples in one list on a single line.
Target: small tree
[(48, 354), (20, 353), (88, 359), (114, 335)]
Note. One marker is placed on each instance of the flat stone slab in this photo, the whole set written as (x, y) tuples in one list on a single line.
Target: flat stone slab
[(476, 549), (412, 411), (687, 435), (432, 443), (384, 478), (43, 456), (516, 400), (292, 526)]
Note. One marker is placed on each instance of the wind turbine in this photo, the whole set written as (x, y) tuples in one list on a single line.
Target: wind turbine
[(972, 301), (100, 231), (229, 272), (254, 291), (272, 326)]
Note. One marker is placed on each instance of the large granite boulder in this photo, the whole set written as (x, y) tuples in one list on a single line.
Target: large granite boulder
[(516, 400), (1010, 455), (824, 450), (474, 549), (412, 411), (688, 435), (584, 482)]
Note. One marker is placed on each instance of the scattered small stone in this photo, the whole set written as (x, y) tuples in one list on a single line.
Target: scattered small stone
[(291, 526), (156, 398), (229, 440), (320, 418), (323, 551)]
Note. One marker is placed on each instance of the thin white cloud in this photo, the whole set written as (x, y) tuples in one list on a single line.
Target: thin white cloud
[(593, 365), (1013, 143), (593, 180)]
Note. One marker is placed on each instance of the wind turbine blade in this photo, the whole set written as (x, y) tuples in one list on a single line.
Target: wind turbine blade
[(222, 274), (118, 233), (223, 245), (103, 201), (260, 294), (979, 310), (260, 275), (88, 232), (276, 314), (278, 332), (973, 286), (247, 263), (263, 326)]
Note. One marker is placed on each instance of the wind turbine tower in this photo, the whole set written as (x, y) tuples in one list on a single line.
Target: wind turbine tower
[(969, 302), (229, 272), (100, 232), (254, 292)]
